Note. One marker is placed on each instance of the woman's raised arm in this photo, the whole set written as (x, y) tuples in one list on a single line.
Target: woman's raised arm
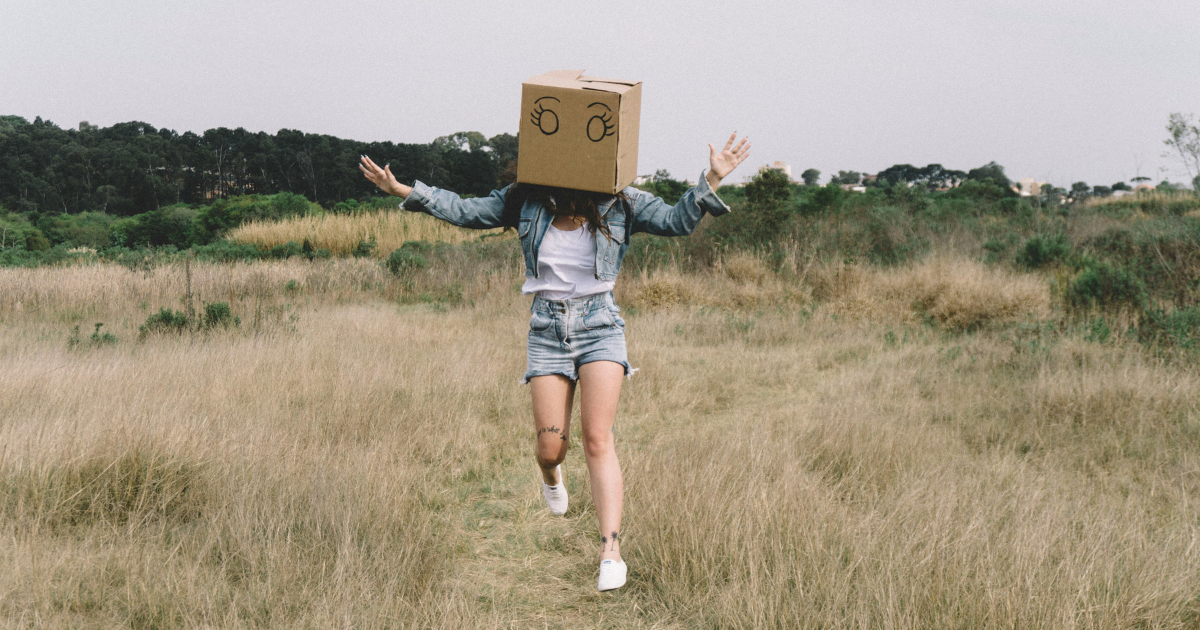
[(383, 178), (722, 164), (479, 214), (651, 214)]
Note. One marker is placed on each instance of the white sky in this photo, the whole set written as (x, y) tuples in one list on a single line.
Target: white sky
[(1059, 90)]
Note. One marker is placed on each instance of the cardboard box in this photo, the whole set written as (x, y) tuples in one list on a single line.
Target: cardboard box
[(579, 132)]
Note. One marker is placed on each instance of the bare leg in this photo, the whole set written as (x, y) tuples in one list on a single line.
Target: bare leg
[(552, 399), (600, 389)]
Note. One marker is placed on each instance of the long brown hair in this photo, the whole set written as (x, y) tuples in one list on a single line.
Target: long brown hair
[(559, 202)]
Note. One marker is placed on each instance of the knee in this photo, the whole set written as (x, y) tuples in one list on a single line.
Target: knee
[(551, 455), (598, 445)]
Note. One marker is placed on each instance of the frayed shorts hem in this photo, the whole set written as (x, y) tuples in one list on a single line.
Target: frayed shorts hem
[(572, 374)]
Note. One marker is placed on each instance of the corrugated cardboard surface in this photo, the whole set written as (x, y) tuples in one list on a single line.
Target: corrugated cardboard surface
[(627, 136), (579, 132)]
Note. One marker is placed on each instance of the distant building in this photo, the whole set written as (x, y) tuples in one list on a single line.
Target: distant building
[(1145, 187), (781, 166), (1029, 187)]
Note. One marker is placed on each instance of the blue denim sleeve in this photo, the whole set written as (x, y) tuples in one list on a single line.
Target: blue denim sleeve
[(479, 214), (651, 214)]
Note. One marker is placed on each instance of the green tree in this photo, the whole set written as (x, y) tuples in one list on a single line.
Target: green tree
[(1184, 143), (504, 156), (847, 177), (769, 188), (898, 174), (990, 172), (811, 177), (1080, 191), (762, 220), (36, 241)]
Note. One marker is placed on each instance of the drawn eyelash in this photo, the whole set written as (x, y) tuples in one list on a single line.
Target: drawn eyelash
[(595, 132), (539, 120)]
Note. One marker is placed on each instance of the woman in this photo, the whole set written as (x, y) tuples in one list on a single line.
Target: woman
[(573, 243)]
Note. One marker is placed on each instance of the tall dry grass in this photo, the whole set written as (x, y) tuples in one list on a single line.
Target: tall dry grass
[(1160, 198), (788, 465), (341, 233)]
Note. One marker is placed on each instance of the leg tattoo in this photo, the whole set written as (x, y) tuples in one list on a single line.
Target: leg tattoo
[(608, 543), (556, 430)]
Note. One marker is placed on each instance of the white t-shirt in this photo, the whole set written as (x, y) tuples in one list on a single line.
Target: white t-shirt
[(566, 266)]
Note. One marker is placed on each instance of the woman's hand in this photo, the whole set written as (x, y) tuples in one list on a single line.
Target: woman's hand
[(722, 164), (383, 178)]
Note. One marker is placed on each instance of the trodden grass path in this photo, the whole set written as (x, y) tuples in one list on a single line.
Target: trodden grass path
[(523, 567)]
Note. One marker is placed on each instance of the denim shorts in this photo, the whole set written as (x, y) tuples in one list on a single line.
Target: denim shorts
[(565, 334)]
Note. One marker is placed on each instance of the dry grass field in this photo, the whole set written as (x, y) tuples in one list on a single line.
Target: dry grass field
[(833, 447), (341, 233)]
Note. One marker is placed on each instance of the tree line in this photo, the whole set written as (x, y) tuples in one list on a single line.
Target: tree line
[(132, 168)]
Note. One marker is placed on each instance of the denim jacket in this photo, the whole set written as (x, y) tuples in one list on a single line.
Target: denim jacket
[(648, 214)]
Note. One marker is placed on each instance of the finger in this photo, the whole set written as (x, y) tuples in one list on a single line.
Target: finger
[(371, 163), (387, 169), (741, 144), (368, 174), (712, 151), (731, 139), (742, 158)]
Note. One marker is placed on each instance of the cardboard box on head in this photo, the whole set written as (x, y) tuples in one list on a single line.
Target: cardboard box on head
[(579, 132)]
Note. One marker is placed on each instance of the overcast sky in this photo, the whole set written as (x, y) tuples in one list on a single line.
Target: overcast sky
[(1058, 90)]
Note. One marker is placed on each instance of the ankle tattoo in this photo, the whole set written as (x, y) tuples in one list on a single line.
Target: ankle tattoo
[(609, 543)]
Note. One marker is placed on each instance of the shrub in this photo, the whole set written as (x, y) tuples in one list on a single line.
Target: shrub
[(219, 314), (886, 236), (313, 253), (226, 251), (16, 257), (364, 248), (825, 199), (102, 339), (225, 214), (1106, 285), (97, 339), (1041, 250), (36, 241), (164, 321), (171, 225), (287, 250), (408, 257), (1179, 328)]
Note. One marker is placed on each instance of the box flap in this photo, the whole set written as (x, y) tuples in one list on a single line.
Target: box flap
[(575, 79), (612, 81), (557, 78)]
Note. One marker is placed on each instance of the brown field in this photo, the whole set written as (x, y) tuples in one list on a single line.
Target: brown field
[(341, 233), (831, 447)]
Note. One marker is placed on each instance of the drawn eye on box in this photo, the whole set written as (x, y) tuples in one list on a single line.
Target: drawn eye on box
[(544, 118), (600, 125)]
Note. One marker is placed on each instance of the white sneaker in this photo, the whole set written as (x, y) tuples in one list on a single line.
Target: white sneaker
[(612, 575), (556, 496)]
